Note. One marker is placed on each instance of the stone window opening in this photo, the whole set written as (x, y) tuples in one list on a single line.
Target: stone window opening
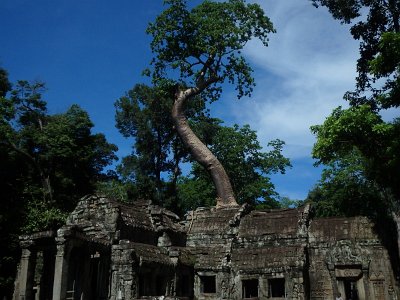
[(250, 289), (208, 284), (276, 288)]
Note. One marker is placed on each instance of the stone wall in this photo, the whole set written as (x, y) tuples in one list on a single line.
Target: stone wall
[(248, 251), (347, 256), (109, 250), (285, 254)]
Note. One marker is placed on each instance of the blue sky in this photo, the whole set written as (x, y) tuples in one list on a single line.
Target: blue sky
[(91, 52)]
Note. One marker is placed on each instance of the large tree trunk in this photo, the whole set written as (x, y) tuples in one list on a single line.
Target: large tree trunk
[(200, 152)]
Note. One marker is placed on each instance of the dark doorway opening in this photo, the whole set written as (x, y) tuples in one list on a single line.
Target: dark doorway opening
[(161, 286), (208, 284), (94, 276), (76, 266), (350, 289), (276, 287), (249, 288), (185, 285), (144, 284)]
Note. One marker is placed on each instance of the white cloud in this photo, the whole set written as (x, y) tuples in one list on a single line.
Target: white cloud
[(301, 76)]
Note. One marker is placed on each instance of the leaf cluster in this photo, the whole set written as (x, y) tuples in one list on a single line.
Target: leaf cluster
[(202, 46), (386, 65), (360, 152), (60, 155), (346, 190), (371, 20)]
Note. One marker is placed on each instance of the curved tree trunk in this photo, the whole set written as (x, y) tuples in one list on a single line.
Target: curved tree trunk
[(200, 152)]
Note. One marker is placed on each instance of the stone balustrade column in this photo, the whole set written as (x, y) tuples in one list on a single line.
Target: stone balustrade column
[(26, 275), (60, 271)]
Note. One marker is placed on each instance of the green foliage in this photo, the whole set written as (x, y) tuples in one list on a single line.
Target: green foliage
[(346, 128), (387, 65), (345, 190), (246, 165), (142, 114), (286, 202), (194, 192), (269, 203), (5, 85), (57, 156), (376, 25), (387, 61), (40, 217), (359, 149), (72, 155), (201, 46), (47, 162), (153, 167), (360, 152), (114, 189)]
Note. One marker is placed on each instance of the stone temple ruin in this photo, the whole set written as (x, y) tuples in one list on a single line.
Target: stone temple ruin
[(109, 250)]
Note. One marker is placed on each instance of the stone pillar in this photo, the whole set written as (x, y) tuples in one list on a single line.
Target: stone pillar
[(26, 275), (365, 279), (124, 280), (334, 282), (60, 271)]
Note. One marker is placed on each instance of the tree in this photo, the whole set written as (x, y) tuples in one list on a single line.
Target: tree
[(11, 189), (153, 167), (358, 134), (386, 65), (5, 85), (141, 114), (248, 168), (360, 151), (23, 115), (376, 25), (72, 155), (201, 49), (345, 190), (47, 162), (61, 157)]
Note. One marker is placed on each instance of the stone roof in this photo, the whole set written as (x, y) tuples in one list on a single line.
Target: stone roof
[(102, 218), (143, 254), (151, 254), (210, 220), (336, 229), (282, 222)]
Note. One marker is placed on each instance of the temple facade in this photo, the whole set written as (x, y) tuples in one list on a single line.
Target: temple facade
[(109, 250)]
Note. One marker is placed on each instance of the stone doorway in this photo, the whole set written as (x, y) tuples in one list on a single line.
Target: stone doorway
[(350, 290), (350, 282), (250, 289)]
